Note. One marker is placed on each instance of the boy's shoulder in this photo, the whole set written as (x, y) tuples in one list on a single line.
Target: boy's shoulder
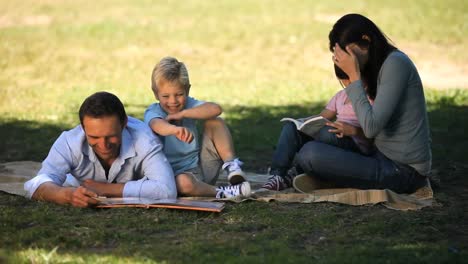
[(154, 107), (192, 102)]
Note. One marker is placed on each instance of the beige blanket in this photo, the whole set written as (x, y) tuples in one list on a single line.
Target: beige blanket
[(14, 174)]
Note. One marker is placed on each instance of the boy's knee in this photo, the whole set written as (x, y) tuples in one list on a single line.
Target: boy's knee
[(213, 123), (185, 183)]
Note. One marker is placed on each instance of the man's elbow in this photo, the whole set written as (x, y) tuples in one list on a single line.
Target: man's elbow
[(163, 192)]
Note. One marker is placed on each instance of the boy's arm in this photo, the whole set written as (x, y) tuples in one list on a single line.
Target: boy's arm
[(164, 128), (204, 111)]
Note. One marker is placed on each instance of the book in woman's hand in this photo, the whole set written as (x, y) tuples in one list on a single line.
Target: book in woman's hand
[(309, 125)]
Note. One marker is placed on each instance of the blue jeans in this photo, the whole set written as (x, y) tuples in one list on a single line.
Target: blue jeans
[(347, 168), (291, 141)]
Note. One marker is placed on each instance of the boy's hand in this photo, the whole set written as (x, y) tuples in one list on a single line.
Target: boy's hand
[(183, 134)]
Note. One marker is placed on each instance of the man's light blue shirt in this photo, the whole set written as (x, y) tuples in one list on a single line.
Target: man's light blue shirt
[(181, 155), (141, 164)]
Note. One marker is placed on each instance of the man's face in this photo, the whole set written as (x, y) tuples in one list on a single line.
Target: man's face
[(172, 96), (104, 135)]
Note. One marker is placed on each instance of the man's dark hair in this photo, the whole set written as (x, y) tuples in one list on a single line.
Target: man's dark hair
[(103, 104)]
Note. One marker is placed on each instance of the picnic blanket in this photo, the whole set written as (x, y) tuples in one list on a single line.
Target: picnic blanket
[(14, 174)]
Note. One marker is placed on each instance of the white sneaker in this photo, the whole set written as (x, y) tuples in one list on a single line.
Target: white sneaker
[(234, 172), (241, 190)]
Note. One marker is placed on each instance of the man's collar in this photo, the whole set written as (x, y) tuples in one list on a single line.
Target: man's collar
[(127, 150)]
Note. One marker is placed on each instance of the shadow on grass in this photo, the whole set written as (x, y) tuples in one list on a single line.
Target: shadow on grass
[(26, 140), (254, 129)]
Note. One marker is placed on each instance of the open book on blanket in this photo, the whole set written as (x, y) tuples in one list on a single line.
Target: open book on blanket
[(160, 203), (308, 125)]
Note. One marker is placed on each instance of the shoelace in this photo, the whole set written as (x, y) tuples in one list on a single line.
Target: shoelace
[(233, 190), (274, 182), (232, 165)]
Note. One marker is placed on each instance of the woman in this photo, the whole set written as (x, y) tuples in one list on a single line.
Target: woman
[(397, 120), (290, 141)]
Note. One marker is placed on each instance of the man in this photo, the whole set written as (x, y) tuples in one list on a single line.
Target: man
[(111, 155)]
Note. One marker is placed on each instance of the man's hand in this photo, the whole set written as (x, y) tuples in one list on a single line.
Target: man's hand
[(95, 186), (82, 197), (104, 188)]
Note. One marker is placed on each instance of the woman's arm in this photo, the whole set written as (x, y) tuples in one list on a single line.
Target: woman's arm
[(393, 80)]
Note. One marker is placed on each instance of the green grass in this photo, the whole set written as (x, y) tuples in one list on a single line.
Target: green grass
[(261, 60)]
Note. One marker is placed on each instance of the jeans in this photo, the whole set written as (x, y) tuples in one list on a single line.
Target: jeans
[(291, 141), (347, 168)]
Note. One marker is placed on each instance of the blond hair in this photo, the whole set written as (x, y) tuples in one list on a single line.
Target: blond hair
[(171, 70)]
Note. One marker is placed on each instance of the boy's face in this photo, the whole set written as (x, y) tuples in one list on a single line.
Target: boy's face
[(172, 96)]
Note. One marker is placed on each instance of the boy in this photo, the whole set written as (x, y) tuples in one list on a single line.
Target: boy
[(174, 118)]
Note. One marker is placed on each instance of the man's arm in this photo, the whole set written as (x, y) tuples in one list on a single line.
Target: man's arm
[(104, 188), (158, 180), (78, 197)]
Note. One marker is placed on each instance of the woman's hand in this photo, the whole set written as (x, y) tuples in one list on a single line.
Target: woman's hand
[(342, 129), (347, 61)]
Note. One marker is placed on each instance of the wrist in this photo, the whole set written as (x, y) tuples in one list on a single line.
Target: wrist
[(354, 77), (67, 195)]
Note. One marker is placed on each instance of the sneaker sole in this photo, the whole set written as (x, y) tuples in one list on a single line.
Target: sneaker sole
[(304, 183), (246, 190), (236, 178)]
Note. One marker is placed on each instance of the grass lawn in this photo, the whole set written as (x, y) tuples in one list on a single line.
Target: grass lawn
[(261, 60)]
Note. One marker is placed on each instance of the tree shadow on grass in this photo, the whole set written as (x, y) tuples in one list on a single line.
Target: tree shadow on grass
[(26, 140)]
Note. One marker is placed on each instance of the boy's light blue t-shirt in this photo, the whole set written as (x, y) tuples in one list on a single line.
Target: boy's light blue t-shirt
[(181, 155)]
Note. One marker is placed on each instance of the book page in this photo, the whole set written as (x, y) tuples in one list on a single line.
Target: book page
[(297, 122), (160, 203), (312, 126)]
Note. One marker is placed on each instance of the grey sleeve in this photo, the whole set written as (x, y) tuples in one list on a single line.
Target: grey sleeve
[(393, 80)]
